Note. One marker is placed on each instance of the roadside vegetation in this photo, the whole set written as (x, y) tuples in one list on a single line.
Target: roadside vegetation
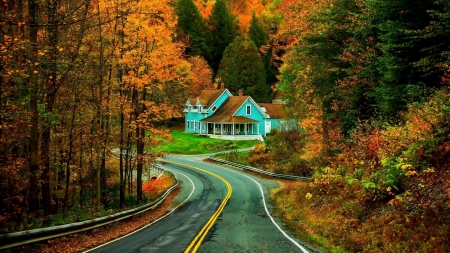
[(368, 85), (236, 157), (187, 143), (152, 189)]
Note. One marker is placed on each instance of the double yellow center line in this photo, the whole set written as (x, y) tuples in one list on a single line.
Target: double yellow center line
[(195, 244)]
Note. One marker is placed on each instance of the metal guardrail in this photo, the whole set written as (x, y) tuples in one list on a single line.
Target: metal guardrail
[(244, 167), (15, 239), (156, 167)]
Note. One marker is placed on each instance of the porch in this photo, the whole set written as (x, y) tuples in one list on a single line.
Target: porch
[(230, 131)]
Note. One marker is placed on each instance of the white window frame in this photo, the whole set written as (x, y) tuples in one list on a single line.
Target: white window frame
[(248, 110), (214, 108), (188, 125), (192, 124)]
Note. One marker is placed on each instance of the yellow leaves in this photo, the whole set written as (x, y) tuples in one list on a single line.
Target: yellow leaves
[(405, 166), (396, 200), (429, 170), (411, 173), (308, 195)]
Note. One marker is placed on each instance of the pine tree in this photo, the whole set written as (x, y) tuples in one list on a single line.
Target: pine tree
[(223, 29), (192, 24), (242, 68), (257, 33)]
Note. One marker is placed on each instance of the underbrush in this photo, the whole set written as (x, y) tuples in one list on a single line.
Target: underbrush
[(236, 157), (341, 221), (383, 188), (152, 189)]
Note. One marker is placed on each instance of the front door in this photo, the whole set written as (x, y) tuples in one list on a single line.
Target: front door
[(268, 126)]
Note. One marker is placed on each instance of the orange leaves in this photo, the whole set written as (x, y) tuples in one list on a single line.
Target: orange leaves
[(200, 75), (300, 14)]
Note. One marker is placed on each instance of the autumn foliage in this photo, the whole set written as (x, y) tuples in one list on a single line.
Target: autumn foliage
[(367, 83), (84, 90)]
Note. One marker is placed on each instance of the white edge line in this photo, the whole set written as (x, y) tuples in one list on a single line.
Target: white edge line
[(182, 203), (270, 216)]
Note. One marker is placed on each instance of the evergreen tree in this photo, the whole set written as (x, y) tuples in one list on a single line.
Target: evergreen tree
[(409, 50), (271, 70), (257, 33), (192, 24), (242, 68), (223, 31)]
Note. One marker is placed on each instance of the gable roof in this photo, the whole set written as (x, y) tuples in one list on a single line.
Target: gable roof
[(273, 110), (225, 112), (207, 97), (255, 104)]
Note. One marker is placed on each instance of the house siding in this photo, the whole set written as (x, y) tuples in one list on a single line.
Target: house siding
[(255, 115), (194, 117), (218, 102)]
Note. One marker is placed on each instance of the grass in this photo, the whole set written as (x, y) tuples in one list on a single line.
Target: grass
[(187, 143), (236, 157)]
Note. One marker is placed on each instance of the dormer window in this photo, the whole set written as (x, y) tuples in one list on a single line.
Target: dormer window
[(214, 108)]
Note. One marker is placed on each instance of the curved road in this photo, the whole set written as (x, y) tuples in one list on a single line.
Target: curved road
[(243, 225)]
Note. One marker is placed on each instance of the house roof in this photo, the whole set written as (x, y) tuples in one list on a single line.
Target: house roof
[(273, 110), (225, 112), (207, 97)]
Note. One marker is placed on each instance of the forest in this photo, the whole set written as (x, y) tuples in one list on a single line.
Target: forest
[(89, 88)]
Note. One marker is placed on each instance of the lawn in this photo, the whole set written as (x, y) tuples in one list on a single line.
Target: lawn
[(187, 143)]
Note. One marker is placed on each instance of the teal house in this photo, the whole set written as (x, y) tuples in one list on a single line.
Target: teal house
[(216, 113)]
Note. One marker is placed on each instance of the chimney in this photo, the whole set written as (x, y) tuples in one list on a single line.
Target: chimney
[(222, 86), (241, 93)]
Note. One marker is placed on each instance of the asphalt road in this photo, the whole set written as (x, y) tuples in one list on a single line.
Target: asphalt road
[(243, 226)]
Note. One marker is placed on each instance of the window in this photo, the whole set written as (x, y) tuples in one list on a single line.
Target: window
[(199, 109), (214, 108), (249, 110), (192, 124), (187, 127)]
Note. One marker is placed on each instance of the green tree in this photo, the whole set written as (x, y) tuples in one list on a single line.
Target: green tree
[(223, 29), (192, 25), (242, 68), (410, 47), (257, 32)]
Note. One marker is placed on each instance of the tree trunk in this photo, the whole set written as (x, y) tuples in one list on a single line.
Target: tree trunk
[(81, 170), (34, 131), (50, 101), (140, 135), (69, 155)]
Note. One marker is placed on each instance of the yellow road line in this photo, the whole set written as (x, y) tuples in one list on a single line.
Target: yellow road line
[(195, 244)]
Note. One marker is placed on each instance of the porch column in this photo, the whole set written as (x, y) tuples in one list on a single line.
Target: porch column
[(214, 128), (221, 128), (245, 128), (232, 129), (257, 128)]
